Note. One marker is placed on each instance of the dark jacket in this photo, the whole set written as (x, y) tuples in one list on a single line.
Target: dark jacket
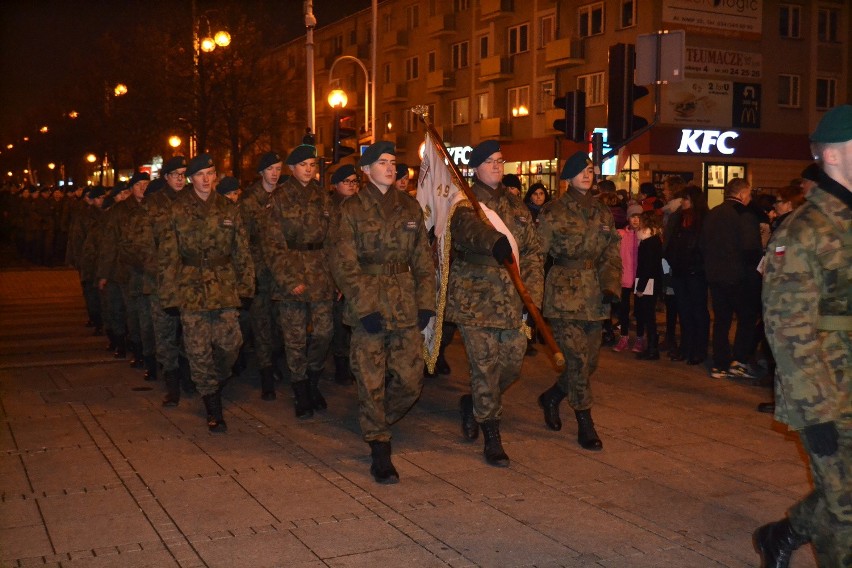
[(730, 244), (649, 263), (681, 249)]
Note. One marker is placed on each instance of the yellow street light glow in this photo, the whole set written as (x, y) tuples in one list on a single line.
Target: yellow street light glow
[(10, 146), (26, 138), (208, 44), (120, 89), (222, 38), (174, 141), (43, 129), (91, 158), (337, 98), (73, 114), (26, 171), (51, 165), (9, 174)]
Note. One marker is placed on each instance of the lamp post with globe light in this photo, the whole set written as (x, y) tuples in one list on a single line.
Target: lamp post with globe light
[(204, 41)]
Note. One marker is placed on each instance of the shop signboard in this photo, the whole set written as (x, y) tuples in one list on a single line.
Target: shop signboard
[(746, 105), (730, 18), (722, 62), (698, 102)]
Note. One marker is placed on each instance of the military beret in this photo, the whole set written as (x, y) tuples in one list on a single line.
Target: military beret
[(482, 151), (511, 180), (97, 191), (118, 187), (375, 151), (227, 184), (301, 153), (198, 163), (401, 171), (575, 164), (342, 173), (173, 164), (811, 173), (835, 126), (137, 177), (267, 160), (156, 185)]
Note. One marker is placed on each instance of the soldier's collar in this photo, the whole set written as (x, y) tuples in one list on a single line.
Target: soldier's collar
[(835, 188)]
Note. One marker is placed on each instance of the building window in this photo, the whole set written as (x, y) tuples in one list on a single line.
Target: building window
[(483, 47), (387, 73), (827, 24), (353, 37), (546, 27), (387, 124), (593, 86), (627, 15), (518, 100), (337, 45), (412, 16), (460, 109), (546, 96), (432, 58), (826, 93), (790, 21), (590, 19), (482, 105), (388, 23), (412, 68), (460, 55), (788, 90), (519, 39), (461, 5)]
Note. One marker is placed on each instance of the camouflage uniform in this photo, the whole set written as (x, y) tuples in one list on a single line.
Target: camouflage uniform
[(381, 261), (115, 274), (135, 253), (807, 297), (483, 301), (88, 262), (341, 334), (205, 268)]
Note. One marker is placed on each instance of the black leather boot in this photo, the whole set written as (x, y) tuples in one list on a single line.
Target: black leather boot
[(469, 425), (775, 543), (267, 384), (382, 468), (586, 434), (150, 368), (172, 380), (549, 402), (493, 451), (120, 347), (213, 404), (342, 372), (317, 400), (304, 404)]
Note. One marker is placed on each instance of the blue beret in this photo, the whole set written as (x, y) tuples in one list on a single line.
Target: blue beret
[(301, 153), (511, 180), (267, 160), (198, 163), (401, 171), (342, 173), (173, 164), (482, 151), (575, 164), (155, 186), (374, 152), (835, 126), (137, 177), (227, 184)]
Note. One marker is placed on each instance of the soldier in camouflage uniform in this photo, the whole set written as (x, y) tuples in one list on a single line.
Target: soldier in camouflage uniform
[(344, 182), (88, 258), (483, 302), (578, 231), (112, 275), (295, 230), (253, 204), (381, 261), (807, 297), (205, 274)]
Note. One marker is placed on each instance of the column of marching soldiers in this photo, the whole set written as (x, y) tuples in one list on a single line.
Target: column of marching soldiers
[(184, 273)]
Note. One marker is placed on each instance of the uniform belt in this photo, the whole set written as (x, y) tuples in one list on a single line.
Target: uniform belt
[(834, 323), (473, 258), (303, 246), (205, 260), (573, 263), (384, 269)]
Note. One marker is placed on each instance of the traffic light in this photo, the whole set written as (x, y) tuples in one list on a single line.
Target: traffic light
[(574, 123), (623, 94), (344, 130)]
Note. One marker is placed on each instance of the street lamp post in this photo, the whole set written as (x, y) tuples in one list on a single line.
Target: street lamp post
[(369, 117), (206, 44)]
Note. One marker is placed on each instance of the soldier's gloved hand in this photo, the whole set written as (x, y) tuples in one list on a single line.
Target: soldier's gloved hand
[(246, 303), (502, 250), (610, 297), (372, 322), (423, 317), (174, 312), (822, 438)]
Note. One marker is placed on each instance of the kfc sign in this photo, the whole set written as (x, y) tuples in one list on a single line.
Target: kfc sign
[(460, 154), (703, 141)]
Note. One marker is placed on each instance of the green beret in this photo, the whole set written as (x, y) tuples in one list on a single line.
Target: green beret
[(173, 164), (374, 152), (301, 153), (342, 173), (137, 177), (198, 163), (835, 126), (575, 164), (155, 186), (227, 184), (401, 171), (482, 151), (267, 160)]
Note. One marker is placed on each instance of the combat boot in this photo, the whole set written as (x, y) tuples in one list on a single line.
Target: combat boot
[(549, 402), (138, 361), (267, 384), (172, 380), (150, 368), (586, 434), (213, 404), (775, 542), (382, 468), (120, 347), (470, 428), (317, 400), (304, 404), (342, 372), (493, 451)]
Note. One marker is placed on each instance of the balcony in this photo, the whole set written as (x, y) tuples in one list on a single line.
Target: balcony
[(564, 52), (394, 92), (439, 26), (495, 68), (440, 82), (495, 128), (494, 9), (394, 41)]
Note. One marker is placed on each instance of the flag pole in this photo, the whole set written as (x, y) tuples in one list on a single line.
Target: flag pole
[(557, 358)]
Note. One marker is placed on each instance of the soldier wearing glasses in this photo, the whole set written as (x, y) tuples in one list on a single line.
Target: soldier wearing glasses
[(344, 182)]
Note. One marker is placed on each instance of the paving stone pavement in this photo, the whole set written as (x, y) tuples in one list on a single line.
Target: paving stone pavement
[(94, 472)]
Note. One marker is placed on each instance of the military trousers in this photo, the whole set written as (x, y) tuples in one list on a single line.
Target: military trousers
[(388, 369), (301, 356), (495, 357), (131, 306), (167, 336), (146, 326), (341, 332), (825, 515), (580, 343), (93, 302), (212, 340), (262, 326), (115, 312)]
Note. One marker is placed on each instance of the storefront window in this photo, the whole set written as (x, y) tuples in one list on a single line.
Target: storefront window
[(541, 171), (715, 178)]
